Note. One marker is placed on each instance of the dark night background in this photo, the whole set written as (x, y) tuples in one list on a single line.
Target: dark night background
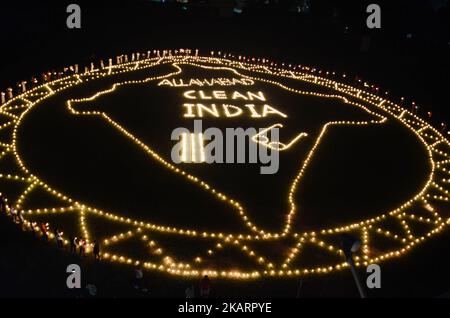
[(409, 56)]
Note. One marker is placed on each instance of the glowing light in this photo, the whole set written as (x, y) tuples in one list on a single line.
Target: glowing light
[(435, 190)]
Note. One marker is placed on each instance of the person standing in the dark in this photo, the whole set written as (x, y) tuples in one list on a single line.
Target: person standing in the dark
[(59, 239), (44, 231), (96, 250), (73, 244), (2, 204), (19, 88), (19, 216), (81, 244), (13, 213)]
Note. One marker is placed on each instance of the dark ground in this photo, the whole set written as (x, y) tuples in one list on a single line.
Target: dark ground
[(30, 267), (35, 39)]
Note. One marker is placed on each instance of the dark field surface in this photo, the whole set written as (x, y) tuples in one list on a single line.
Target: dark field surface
[(44, 265), (87, 159)]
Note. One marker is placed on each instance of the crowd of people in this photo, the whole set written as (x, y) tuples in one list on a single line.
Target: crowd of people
[(77, 245), (81, 246), (45, 77)]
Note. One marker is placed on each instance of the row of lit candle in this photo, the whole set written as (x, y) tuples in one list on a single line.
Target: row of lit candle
[(411, 121)]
